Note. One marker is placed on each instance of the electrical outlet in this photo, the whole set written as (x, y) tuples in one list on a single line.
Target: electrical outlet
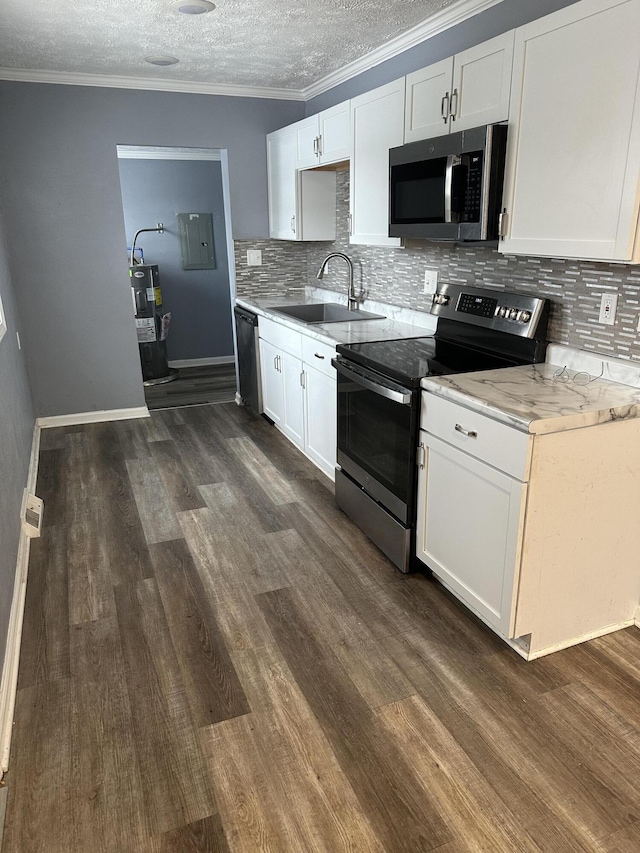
[(608, 305), (430, 281), (254, 257)]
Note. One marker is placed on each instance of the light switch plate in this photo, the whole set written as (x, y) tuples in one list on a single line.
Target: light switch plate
[(430, 281), (254, 257)]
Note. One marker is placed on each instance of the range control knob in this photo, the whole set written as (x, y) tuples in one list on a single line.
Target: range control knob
[(512, 313), (524, 316), (441, 299), (502, 311)]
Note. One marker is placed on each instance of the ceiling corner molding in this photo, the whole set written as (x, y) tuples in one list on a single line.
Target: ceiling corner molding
[(72, 78), (433, 26)]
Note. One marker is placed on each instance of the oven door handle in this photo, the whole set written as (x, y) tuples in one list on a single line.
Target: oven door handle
[(396, 393)]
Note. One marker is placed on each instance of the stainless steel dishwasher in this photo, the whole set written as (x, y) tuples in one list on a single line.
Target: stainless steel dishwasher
[(248, 358)]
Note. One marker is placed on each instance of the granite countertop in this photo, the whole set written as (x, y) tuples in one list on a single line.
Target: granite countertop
[(531, 400), (360, 331)]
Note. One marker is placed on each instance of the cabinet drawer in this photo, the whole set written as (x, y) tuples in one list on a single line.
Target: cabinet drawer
[(503, 447), (318, 355), (280, 336)]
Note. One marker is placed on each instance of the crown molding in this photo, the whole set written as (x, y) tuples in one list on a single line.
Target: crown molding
[(72, 78), (146, 152), (433, 26)]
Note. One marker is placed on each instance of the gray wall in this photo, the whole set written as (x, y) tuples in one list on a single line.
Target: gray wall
[(16, 430), (494, 21), (65, 227), (199, 300)]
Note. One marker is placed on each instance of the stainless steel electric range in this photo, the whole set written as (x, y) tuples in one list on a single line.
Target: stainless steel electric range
[(379, 401)]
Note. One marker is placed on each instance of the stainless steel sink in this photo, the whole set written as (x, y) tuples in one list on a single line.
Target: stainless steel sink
[(323, 312)]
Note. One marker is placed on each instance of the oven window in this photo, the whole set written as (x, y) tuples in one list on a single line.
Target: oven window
[(417, 192), (376, 434)]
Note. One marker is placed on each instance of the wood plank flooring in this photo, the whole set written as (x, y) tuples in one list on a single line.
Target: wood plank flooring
[(215, 383), (215, 659)]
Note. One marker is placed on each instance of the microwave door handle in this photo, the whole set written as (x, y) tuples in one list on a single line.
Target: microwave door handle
[(448, 187), (403, 397)]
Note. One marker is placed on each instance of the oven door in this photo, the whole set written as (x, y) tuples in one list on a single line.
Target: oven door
[(377, 423)]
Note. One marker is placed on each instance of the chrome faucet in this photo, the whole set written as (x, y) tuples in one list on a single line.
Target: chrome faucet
[(353, 300)]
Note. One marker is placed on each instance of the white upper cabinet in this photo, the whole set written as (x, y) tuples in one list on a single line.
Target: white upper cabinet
[(324, 138), (573, 153), (428, 101), (281, 177), (335, 133), (466, 90), (377, 120), (306, 135), (302, 205)]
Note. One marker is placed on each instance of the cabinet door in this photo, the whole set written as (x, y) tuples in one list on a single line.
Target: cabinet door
[(482, 83), (469, 530), (573, 154), (377, 120), (281, 175), (321, 419), (335, 133), (428, 101), (307, 145), (292, 423), (272, 388)]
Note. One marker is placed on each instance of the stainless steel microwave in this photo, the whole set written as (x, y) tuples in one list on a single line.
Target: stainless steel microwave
[(450, 187)]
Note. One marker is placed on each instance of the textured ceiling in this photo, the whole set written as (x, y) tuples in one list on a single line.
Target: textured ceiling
[(282, 43)]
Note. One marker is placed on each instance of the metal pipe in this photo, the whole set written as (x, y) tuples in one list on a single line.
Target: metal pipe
[(159, 229)]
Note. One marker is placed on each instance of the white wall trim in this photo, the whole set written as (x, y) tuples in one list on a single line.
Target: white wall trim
[(9, 683), (202, 362), (432, 26), (149, 152), (93, 417), (108, 81)]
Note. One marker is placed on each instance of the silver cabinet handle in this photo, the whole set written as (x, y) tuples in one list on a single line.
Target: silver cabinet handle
[(317, 355), (315, 146), (303, 379), (320, 146), (293, 223), (454, 109), (444, 112), (421, 457), (468, 432), (275, 362)]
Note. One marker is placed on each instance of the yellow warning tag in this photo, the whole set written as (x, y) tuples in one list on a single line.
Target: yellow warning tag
[(158, 295)]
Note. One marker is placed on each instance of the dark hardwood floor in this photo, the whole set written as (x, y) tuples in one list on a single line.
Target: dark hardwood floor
[(215, 659), (215, 383)]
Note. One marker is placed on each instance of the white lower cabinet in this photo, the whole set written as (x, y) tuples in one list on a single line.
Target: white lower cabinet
[(320, 419), (536, 534), (468, 529), (299, 390)]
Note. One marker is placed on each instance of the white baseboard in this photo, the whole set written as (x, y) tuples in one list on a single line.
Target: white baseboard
[(9, 682), (92, 417), (202, 362)]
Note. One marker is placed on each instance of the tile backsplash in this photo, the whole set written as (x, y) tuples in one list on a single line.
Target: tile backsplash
[(397, 276)]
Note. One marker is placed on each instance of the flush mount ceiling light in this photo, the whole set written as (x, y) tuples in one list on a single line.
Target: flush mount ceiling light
[(161, 60), (194, 7)]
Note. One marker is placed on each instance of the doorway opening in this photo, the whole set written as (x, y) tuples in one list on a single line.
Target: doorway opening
[(175, 203)]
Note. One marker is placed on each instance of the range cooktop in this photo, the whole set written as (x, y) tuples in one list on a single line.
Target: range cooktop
[(408, 360)]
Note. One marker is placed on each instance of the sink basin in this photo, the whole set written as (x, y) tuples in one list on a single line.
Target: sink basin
[(323, 312)]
